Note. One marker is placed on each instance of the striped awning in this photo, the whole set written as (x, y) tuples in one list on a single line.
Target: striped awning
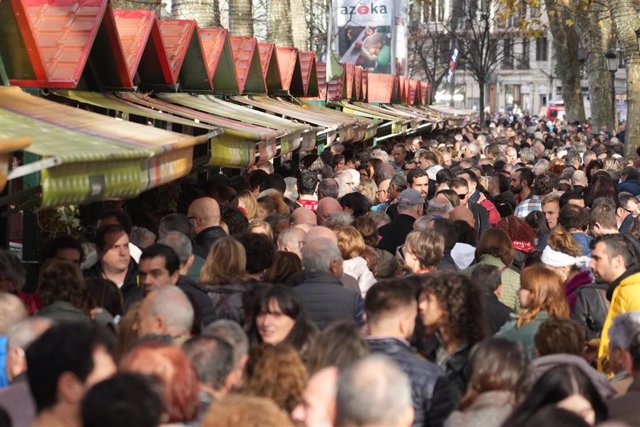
[(88, 157)]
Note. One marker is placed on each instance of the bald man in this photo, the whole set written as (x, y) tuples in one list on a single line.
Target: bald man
[(327, 207), (204, 216), (303, 216), (320, 231), (290, 240)]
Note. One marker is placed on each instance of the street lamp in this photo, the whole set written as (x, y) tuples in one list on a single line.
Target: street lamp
[(612, 65)]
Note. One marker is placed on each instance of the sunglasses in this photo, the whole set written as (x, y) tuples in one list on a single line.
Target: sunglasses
[(462, 196)]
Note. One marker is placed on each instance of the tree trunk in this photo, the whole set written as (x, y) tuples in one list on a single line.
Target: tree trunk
[(299, 25), (481, 84), (594, 28), (200, 10), (240, 18), (565, 46), (625, 20), (154, 5), (279, 25)]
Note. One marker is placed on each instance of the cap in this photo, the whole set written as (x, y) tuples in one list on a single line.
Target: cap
[(410, 197)]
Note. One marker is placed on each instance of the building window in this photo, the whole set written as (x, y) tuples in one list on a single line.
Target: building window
[(523, 63), (507, 62), (541, 49), (436, 11)]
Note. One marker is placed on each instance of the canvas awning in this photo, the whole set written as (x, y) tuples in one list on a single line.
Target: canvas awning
[(291, 135), (335, 124), (88, 157), (398, 125), (110, 101), (241, 145)]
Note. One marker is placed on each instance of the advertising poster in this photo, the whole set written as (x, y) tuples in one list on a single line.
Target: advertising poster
[(364, 33)]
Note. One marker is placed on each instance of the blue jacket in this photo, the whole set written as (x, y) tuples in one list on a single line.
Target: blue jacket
[(630, 186)]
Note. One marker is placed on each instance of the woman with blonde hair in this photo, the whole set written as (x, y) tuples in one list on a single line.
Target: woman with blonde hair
[(259, 226), (223, 278), (541, 296), (248, 204), (352, 247), (369, 189)]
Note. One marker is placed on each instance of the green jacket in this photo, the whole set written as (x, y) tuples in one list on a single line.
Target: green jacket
[(526, 334), (510, 280)]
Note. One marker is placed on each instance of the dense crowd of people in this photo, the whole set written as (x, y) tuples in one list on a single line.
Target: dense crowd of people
[(487, 275)]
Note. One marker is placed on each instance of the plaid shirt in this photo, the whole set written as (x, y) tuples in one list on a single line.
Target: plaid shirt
[(533, 203)]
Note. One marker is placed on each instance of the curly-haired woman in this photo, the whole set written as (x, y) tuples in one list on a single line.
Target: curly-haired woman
[(451, 313)]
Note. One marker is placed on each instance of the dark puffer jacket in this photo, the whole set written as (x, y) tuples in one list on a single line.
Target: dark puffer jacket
[(227, 301), (429, 386), (327, 300)]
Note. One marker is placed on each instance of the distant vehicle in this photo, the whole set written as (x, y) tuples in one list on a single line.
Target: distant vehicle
[(555, 110)]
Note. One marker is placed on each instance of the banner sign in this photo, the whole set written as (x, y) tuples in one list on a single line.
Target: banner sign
[(365, 33)]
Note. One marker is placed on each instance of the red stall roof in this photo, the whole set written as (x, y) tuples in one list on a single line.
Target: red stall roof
[(322, 79), (309, 74), (425, 92), (270, 68), (248, 69), (365, 85), (290, 70), (358, 83), (142, 45), (349, 83), (380, 87), (184, 51), (414, 92), (219, 60), (49, 43), (335, 89)]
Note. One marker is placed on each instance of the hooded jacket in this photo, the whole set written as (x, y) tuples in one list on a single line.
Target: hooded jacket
[(624, 294)]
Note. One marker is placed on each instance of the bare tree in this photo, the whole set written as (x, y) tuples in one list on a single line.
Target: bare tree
[(484, 42), (155, 5), (279, 23), (240, 18), (205, 12), (429, 47), (594, 27), (568, 67), (300, 24), (625, 21)]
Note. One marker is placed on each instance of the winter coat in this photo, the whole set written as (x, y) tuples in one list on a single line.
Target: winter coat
[(526, 334), (429, 386), (227, 301), (542, 364), (624, 295), (490, 409), (572, 285), (590, 308), (326, 300)]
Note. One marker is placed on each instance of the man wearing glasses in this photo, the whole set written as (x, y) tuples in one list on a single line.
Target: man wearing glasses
[(460, 186)]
